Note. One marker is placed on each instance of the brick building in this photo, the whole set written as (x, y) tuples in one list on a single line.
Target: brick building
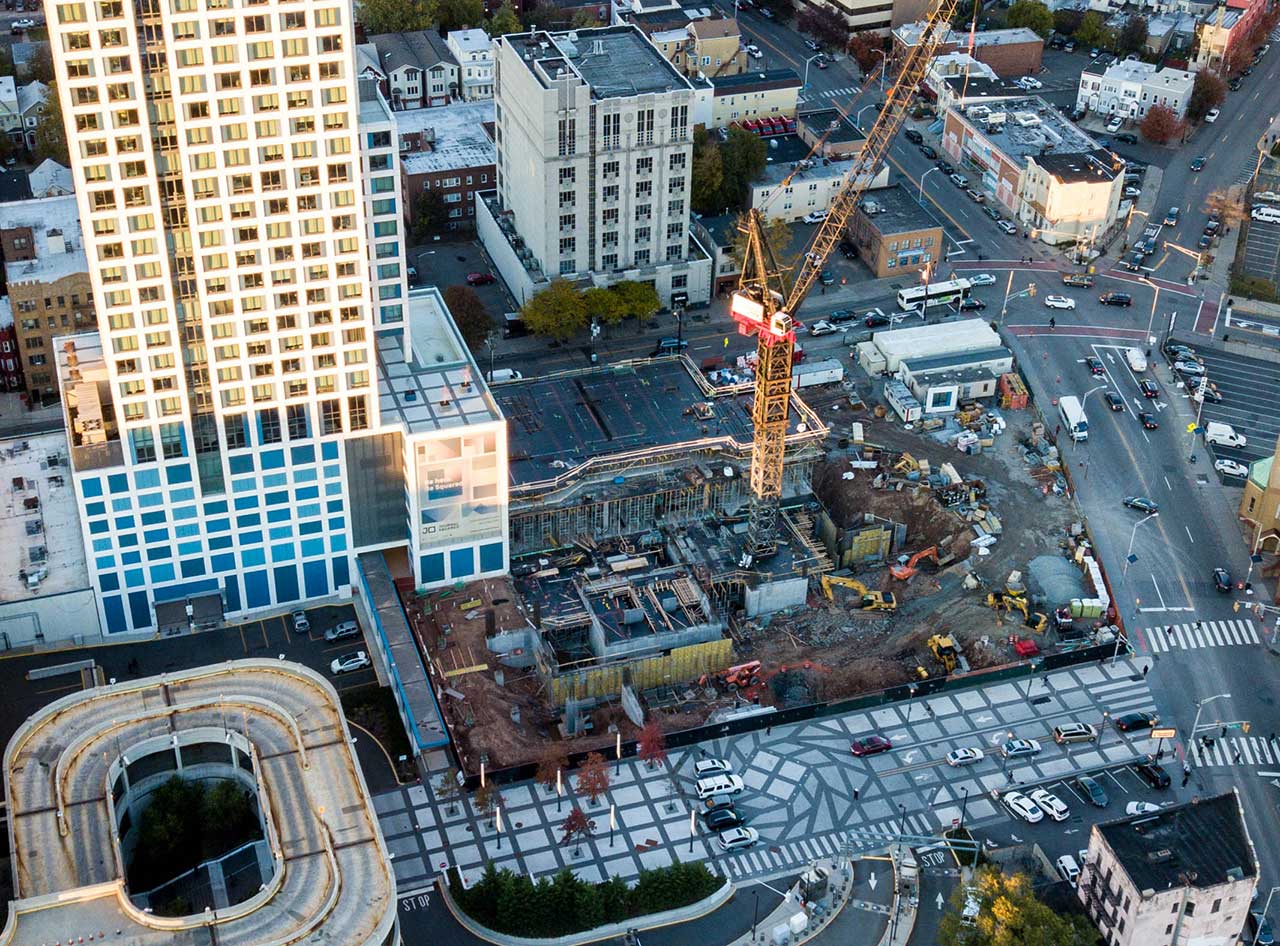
[(48, 279), (1012, 52), (10, 359), (449, 151), (894, 233)]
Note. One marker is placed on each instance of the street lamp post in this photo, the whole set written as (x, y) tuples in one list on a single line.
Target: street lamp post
[(884, 65), (1200, 705), (1203, 386), (805, 84), (1265, 907), (921, 197), (1004, 760), (1084, 400), (1029, 291), (857, 120), (1132, 535), (755, 915), (1154, 302)]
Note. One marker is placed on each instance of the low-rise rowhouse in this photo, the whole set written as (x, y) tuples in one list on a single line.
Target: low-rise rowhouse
[(894, 233), (448, 150), (814, 182), (717, 235), (415, 70), (1222, 33), (1130, 87), (1185, 874), (751, 96), (1011, 52), (710, 48), (1047, 173), (49, 289), (1260, 505), (473, 51)]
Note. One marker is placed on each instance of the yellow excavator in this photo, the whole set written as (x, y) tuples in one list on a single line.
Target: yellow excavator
[(1035, 620), (871, 600), (944, 650)]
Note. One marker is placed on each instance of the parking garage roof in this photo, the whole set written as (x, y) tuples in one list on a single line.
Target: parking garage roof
[(334, 884)]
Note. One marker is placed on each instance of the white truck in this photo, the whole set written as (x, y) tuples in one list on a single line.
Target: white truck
[(1136, 359), (1223, 435)]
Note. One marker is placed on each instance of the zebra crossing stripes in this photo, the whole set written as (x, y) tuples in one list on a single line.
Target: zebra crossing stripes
[(1253, 750), (766, 858), (1245, 174), (1201, 635)]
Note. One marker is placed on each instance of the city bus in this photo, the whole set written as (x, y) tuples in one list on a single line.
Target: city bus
[(1073, 418), (939, 293)]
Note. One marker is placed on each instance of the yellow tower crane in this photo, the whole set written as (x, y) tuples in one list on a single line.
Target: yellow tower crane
[(762, 305)]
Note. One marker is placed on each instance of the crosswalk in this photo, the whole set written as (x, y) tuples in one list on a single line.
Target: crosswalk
[(1245, 172), (766, 858), (1237, 750), (1274, 36), (1201, 634), (845, 92)]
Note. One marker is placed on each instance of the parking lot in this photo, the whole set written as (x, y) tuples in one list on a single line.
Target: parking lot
[(1250, 390), (272, 637), (1261, 254)]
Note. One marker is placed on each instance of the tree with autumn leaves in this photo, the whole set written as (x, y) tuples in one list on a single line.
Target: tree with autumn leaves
[(653, 744), (552, 762), (1162, 125), (576, 827), (593, 777)]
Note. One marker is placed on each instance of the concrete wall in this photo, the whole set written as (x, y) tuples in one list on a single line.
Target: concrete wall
[(504, 257), (776, 595)]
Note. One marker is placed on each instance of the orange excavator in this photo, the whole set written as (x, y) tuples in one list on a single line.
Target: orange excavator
[(904, 572)]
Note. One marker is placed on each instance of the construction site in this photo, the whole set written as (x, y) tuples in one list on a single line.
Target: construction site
[(697, 554)]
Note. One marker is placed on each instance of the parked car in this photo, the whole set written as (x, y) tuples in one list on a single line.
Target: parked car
[(928, 152), (704, 767), (1154, 775), (1230, 468), (1148, 420), (735, 839), (1222, 580), (822, 62), (1258, 930), (816, 216), (1204, 242), (976, 196), (992, 213), (1135, 722), (813, 44), (348, 663), (840, 316), (870, 745), (1192, 368), (1050, 804), (1149, 388), (722, 784), (946, 167), (822, 327), (342, 631), (1116, 298), (1078, 280), (1142, 504), (1059, 302), (1093, 791), (913, 136), (481, 279), (23, 24), (1211, 116), (1022, 806), (300, 623), (965, 756), (1127, 137), (1095, 366), (1235, 84), (1115, 124), (1114, 401), (959, 180), (721, 819), (1008, 227), (754, 52)]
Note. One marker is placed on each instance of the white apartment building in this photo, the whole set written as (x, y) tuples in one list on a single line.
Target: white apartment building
[(474, 52), (384, 206), (1184, 875), (595, 152), (1131, 87)]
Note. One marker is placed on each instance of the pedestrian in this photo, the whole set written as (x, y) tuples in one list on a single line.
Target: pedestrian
[(855, 794), (1271, 738), (1186, 777), (1053, 323), (1145, 668), (1223, 734), (1237, 756), (768, 730)]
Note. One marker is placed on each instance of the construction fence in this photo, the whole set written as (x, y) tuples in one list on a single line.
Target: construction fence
[(681, 665)]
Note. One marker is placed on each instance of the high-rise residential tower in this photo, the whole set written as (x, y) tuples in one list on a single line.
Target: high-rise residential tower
[(214, 145)]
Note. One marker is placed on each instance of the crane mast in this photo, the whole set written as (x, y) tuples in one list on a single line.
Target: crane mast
[(762, 306)]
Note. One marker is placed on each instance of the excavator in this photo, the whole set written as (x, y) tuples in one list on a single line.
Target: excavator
[(871, 600), (905, 572), (944, 650), (1035, 620)]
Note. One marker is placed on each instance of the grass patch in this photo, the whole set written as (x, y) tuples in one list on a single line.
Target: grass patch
[(1253, 287), (374, 709)]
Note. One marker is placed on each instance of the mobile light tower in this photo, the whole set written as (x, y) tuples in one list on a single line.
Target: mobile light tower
[(763, 305)]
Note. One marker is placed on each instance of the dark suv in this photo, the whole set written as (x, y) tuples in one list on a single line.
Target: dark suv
[(1116, 298), (1154, 775), (722, 819)]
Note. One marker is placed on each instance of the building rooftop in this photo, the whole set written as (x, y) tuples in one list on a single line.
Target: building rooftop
[(39, 525), (831, 122), (564, 423), (613, 61), (1077, 167), (471, 41), (900, 212), (457, 136), (1175, 81), (420, 49), (717, 28), (955, 361), (1230, 17), (332, 880), (55, 226), (959, 63), (721, 227), (755, 82), (967, 89), (51, 179), (437, 386), (1020, 34), (1031, 126), (1204, 842), (786, 151), (373, 107)]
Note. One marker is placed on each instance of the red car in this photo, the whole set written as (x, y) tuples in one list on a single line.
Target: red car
[(870, 745), (480, 279)]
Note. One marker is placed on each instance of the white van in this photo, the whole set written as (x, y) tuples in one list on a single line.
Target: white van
[(1266, 214), (723, 784), (505, 374), (1223, 435), (1068, 869), (1136, 359)]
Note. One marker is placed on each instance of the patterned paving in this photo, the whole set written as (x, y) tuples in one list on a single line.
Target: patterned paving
[(805, 793), (1201, 634)]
